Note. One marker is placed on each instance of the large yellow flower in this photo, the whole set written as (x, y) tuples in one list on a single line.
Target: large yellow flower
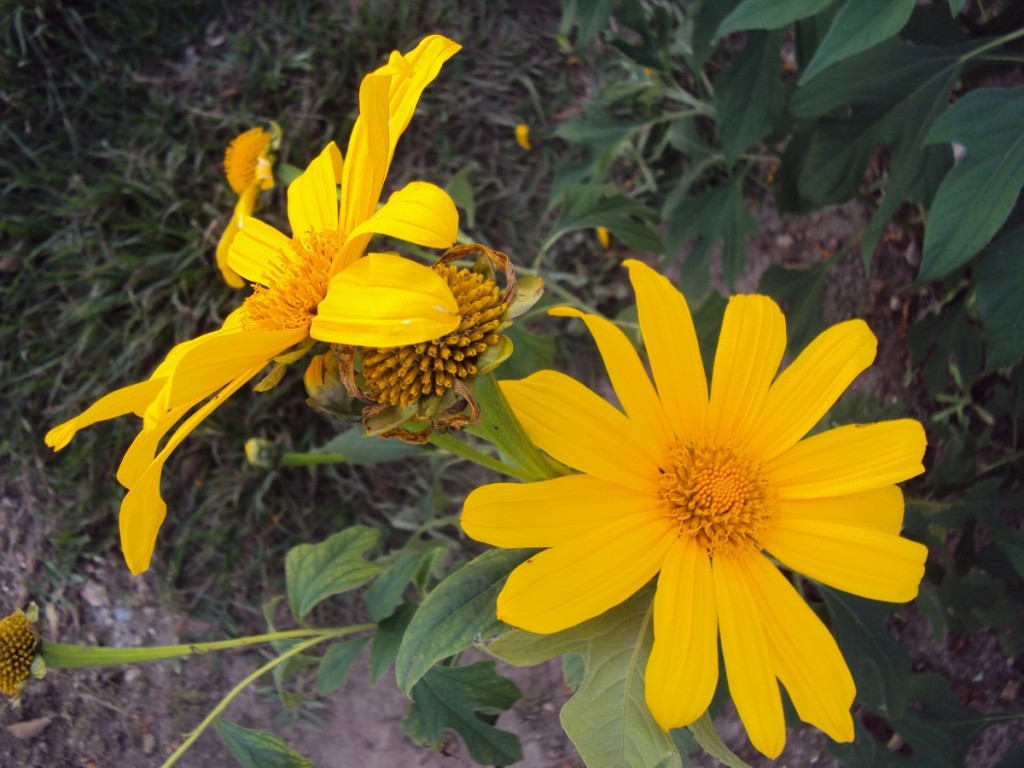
[(313, 285), (701, 491)]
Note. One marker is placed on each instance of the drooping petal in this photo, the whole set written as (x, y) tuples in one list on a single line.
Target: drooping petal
[(879, 508), (255, 248), (632, 385), (244, 207), (366, 163), (682, 671), (134, 398), (750, 348), (671, 342), (568, 584), (143, 509), (861, 561), (385, 300), (849, 459), (550, 512), (811, 384), (804, 654), (419, 213), (313, 196), (582, 430), (748, 663)]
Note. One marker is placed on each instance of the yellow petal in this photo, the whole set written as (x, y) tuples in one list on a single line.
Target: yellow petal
[(313, 196), (384, 300), (632, 385), (134, 398), (143, 509), (861, 561), (671, 343), (255, 248), (143, 449), (745, 650), (811, 384), (879, 508), (366, 164), (244, 207), (804, 654), (548, 513), (682, 671), (419, 213), (582, 430), (849, 459), (750, 348), (568, 584), (523, 136)]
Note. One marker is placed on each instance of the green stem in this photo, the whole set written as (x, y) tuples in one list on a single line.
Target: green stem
[(707, 737), (233, 693), (62, 656), (999, 41), (452, 444)]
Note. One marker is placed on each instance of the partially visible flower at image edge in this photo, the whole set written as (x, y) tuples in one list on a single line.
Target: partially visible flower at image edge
[(18, 646), (249, 169), (700, 489), (315, 285)]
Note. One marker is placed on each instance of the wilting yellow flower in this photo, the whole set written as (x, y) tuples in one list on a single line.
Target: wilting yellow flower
[(313, 285), (701, 490), (249, 168), (523, 136)]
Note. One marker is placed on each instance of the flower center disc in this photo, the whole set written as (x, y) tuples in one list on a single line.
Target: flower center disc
[(17, 650), (294, 285), (718, 495), (402, 375), (245, 159)]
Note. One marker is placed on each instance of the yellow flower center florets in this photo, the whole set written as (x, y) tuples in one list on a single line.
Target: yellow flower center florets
[(718, 494), (402, 375), (294, 285), (246, 160), (17, 650)]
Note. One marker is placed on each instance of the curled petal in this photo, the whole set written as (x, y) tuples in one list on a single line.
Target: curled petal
[(420, 213), (313, 196), (134, 398)]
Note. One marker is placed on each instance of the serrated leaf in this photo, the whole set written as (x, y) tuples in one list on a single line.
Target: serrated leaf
[(461, 608), (359, 448), (859, 25), (388, 639), (998, 276), (452, 697), (337, 663), (588, 207), (749, 97), (607, 718), (258, 749), (314, 572), (768, 14), (983, 186)]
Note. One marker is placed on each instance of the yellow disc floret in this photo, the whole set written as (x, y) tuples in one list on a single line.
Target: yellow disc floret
[(17, 650), (247, 160)]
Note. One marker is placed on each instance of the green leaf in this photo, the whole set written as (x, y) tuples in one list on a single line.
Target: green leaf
[(955, 6), (710, 15), (998, 276), (314, 572), (387, 641), (359, 448), (982, 188), (591, 16), (531, 352), (461, 608), (799, 291), (749, 98), (587, 207), (607, 718), (880, 666), (769, 14), (337, 663), (452, 697), (717, 214), (385, 593), (859, 25), (461, 193), (258, 749)]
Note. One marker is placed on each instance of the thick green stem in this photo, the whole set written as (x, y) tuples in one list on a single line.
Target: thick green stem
[(452, 444)]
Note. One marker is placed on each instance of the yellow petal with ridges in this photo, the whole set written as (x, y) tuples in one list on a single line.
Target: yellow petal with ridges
[(144, 447), (861, 561), (803, 653), (256, 246), (682, 671), (849, 459), (748, 664), (384, 300), (750, 348), (134, 398), (811, 384), (419, 213), (582, 430), (879, 508), (366, 163), (313, 196), (244, 207), (632, 385), (671, 342), (550, 512), (568, 584)]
